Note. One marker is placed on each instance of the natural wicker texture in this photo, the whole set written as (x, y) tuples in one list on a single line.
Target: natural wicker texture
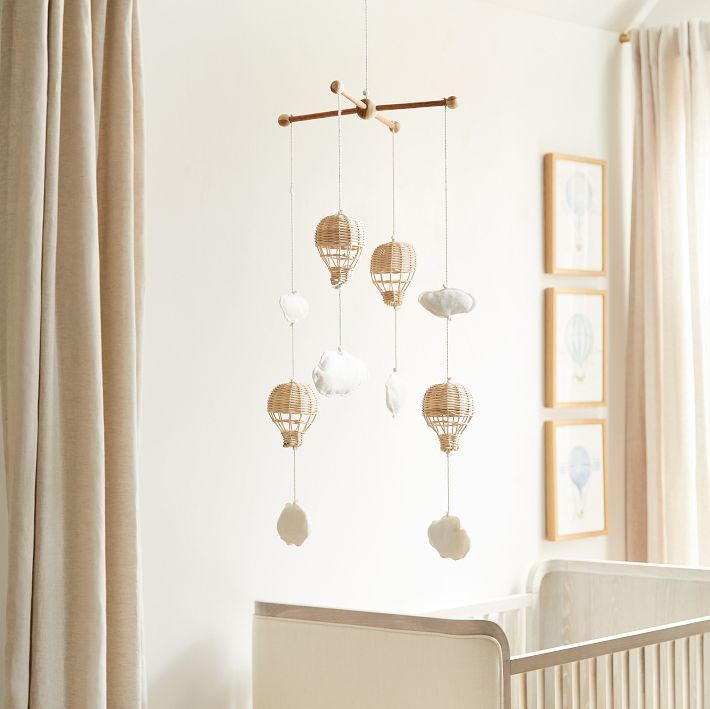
[(448, 409), (339, 240), (392, 268), (292, 407)]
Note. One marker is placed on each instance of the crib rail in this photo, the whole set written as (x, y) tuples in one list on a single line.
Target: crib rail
[(515, 614), (667, 667)]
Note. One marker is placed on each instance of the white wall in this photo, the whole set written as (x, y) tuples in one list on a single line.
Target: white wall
[(214, 476), (675, 11)]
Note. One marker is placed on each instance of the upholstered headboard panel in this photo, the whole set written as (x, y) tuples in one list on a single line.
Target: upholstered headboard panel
[(311, 658)]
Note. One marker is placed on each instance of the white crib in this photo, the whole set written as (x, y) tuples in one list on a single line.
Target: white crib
[(586, 635)]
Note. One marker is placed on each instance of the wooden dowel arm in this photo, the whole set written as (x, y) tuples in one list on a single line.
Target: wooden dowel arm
[(367, 108), (451, 102)]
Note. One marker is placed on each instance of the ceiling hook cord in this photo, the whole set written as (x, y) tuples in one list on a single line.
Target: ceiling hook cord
[(367, 68)]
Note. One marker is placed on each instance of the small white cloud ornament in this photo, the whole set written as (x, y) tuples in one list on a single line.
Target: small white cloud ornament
[(447, 302), (396, 392), (294, 307), (447, 537), (338, 373), (292, 524)]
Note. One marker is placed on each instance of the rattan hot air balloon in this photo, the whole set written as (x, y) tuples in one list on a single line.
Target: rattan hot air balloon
[(448, 409), (339, 240), (292, 407), (392, 269)]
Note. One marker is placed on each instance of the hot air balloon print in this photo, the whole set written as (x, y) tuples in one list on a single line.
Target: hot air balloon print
[(576, 478), (579, 198), (579, 342), (579, 469)]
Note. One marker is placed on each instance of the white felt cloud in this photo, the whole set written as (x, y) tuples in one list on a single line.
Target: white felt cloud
[(293, 524), (395, 393), (338, 373), (447, 537), (447, 302), (294, 306)]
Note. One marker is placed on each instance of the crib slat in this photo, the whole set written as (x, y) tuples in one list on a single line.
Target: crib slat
[(523, 692), (620, 668), (706, 670), (667, 690), (576, 685), (550, 691), (680, 673), (587, 685), (553, 688), (522, 627), (536, 689), (605, 682), (570, 685), (651, 655), (636, 679), (518, 691), (559, 687), (510, 625), (695, 672)]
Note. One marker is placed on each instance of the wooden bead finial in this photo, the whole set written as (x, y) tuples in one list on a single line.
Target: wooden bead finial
[(337, 87), (452, 102), (394, 128), (284, 120), (369, 111)]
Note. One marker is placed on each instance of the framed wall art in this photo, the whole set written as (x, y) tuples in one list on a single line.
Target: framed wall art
[(575, 460), (575, 347), (575, 215)]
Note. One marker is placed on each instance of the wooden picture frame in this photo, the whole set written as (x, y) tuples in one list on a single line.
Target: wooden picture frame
[(576, 222), (581, 475), (582, 369)]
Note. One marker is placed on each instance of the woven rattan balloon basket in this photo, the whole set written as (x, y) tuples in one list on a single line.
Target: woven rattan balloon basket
[(392, 268), (340, 240), (447, 409), (292, 407)]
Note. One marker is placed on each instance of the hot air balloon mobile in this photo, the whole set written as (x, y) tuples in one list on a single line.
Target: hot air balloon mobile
[(579, 341)]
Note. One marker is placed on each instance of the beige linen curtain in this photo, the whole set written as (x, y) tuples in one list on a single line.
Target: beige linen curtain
[(668, 381), (71, 278)]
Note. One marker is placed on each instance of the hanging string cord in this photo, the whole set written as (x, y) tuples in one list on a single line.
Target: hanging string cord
[(293, 259), (294, 475), (340, 158), (446, 201), (293, 276), (447, 350), (340, 318), (367, 68), (393, 188), (395, 339), (448, 484), (446, 230), (293, 354)]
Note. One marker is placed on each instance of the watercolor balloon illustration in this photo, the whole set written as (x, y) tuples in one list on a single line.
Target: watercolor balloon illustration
[(579, 341)]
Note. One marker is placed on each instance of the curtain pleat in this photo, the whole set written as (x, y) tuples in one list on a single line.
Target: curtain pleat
[(72, 270), (668, 359)]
